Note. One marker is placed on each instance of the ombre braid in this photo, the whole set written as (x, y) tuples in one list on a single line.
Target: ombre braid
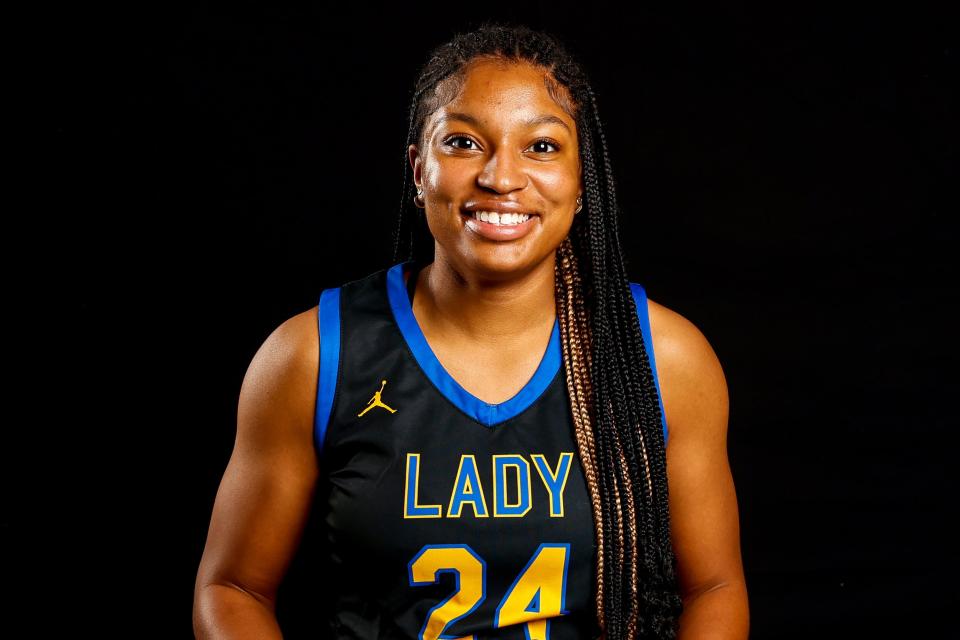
[(613, 397)]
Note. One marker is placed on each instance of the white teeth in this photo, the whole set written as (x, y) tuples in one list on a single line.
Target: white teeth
[(494, 217)]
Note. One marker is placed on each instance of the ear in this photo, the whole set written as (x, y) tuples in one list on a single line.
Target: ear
[(416, 162)]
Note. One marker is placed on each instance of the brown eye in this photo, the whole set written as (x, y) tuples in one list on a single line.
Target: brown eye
[(540, 143), (448, 141)]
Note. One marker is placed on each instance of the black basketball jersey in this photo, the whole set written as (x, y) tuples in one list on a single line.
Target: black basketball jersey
[(446, 516)]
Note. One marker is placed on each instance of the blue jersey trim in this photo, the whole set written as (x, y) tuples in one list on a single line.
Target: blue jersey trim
[(640, 298), (328, 321), (483, 412)]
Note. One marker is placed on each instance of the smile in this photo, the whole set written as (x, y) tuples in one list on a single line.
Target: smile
[(500, 226)]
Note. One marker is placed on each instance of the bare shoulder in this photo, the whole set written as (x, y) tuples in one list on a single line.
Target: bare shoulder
[(280, 382), (692, 381), (292, 348), (294, 342)]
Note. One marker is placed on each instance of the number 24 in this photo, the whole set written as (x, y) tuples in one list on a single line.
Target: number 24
[(536, 595)]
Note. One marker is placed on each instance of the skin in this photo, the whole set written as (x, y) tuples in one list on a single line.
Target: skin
[(487, 310)]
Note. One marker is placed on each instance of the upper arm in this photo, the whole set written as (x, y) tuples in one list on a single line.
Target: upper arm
[(703, 503), (264, 497)]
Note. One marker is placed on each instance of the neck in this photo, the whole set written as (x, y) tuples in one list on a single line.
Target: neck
[(488, 306)]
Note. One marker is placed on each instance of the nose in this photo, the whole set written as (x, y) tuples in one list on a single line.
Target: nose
[(502, 173)]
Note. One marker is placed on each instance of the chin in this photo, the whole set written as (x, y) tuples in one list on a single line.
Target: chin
[(502, 262)]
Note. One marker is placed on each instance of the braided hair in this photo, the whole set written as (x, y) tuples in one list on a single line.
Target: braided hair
[(616, 413)]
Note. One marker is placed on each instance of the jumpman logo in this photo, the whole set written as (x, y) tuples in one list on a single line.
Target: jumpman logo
[(375, 401)]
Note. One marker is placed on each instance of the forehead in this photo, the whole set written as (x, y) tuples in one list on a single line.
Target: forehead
[(501, 93)]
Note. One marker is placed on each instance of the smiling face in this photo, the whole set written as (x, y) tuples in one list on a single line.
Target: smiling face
[(502, 143)]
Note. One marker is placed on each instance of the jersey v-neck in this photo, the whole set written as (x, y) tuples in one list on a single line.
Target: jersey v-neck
[(400, 297)]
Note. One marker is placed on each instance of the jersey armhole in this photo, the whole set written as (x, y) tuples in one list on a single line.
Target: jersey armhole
[(328, 321), (640, 298)]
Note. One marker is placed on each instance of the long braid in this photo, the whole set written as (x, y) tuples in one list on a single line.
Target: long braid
[(576, 356), (610, 576), (613, 398)]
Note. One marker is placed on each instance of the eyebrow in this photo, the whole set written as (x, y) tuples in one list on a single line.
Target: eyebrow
[(545, 118)]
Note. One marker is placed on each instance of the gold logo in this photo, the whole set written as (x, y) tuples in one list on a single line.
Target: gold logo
[(375, 401)]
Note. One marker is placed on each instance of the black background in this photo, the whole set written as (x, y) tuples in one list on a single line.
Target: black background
[(783, 180)]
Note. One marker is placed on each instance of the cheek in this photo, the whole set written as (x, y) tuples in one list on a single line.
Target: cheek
[(559, 190), (558, 187), (444, 180)]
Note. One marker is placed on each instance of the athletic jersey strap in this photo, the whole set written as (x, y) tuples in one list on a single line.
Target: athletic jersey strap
[(640, 298), (328, 321)]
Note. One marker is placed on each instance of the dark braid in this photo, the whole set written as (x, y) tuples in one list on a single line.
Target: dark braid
[(616, 413)]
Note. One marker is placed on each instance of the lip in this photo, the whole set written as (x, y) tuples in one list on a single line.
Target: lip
[(498, 232)]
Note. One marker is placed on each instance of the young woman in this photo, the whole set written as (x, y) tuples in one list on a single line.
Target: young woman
[(485, 428)]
